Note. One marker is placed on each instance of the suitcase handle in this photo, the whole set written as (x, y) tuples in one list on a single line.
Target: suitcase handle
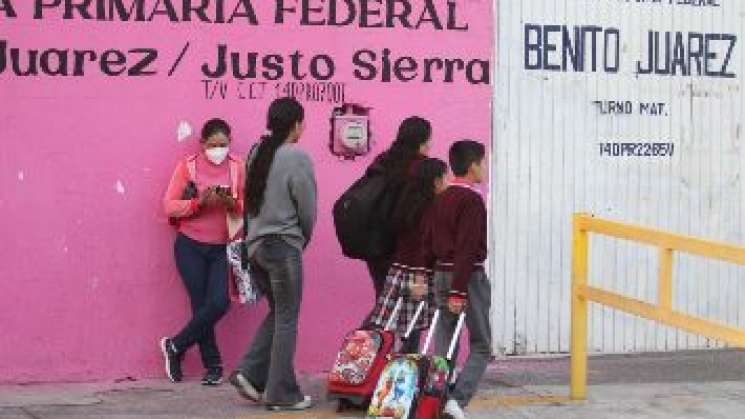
[(430, 332), (453, 341), (418, 313), (456, 335), (397, 308), (394, 314), (394, 317)]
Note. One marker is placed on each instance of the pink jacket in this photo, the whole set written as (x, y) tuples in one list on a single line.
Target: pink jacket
[(209, 224)]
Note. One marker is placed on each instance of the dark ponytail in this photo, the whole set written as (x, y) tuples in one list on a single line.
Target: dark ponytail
[(412, 133), (282, 117), (418, 194)]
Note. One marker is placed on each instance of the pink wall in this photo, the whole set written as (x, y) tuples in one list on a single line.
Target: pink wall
[(87, 279)]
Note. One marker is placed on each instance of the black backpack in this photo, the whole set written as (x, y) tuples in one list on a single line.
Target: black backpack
[(362, 216)]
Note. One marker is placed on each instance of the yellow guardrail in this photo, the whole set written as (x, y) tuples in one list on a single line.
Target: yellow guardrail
[(661, 311)]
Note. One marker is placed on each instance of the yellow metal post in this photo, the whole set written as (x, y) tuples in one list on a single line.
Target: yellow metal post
[(665, 286), (580, 251)]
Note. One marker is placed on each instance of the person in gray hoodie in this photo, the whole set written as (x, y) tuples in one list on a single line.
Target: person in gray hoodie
[(280, 213)]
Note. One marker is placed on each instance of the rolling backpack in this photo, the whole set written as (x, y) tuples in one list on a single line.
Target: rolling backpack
[(359, 362), (415, 386), (435, 383)]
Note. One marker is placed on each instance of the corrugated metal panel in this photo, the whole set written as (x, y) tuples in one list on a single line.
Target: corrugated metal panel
[(547, 164)]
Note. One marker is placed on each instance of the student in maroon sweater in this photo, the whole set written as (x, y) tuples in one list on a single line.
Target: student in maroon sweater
[(458, 241), (407, 277), (411, 146)]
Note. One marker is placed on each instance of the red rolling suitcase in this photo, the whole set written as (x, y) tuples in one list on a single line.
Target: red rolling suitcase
[(359, 363), (434, 389)]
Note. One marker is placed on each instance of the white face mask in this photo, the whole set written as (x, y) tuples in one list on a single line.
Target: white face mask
[(217, 155)]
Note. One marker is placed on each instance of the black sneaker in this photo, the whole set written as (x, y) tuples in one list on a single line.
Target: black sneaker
[(172, 359), (213, 377)]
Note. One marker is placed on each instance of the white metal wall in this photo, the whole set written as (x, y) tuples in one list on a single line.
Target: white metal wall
[(546, 164)]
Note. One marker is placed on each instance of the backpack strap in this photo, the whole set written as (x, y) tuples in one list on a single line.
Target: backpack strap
[(234, 175), (191, 167)]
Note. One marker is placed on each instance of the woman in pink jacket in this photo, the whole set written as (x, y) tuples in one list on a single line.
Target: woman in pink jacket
[(205, 194)]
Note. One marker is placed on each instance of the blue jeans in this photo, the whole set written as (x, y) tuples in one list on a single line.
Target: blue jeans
[(277, 268), (204, 270)]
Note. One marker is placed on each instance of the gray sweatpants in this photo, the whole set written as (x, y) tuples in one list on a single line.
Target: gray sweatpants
[(479, 330)]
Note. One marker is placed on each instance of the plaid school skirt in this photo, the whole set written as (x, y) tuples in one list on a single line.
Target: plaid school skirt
[(397, 284)]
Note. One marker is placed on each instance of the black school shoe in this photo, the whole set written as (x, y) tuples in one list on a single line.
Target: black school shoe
[(213, 377), (172, 360)]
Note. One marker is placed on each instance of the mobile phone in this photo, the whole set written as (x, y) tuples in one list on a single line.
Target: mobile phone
[(222, 189)]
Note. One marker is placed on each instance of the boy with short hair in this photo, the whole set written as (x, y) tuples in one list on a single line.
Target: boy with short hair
[(458, 242)]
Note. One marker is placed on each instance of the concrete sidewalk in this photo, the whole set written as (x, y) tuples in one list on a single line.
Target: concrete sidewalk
[(677, 385)]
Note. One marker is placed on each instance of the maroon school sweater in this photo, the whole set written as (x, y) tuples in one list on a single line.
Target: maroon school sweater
[(411, 250), (458, 234)]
